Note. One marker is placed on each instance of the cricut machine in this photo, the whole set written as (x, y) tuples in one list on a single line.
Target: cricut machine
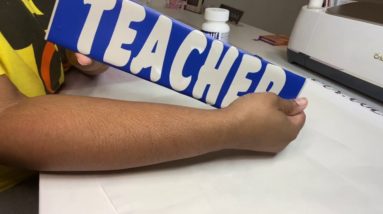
[(343, 43)]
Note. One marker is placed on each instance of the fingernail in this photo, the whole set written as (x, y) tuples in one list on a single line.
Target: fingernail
[(83, 60), (301, 101)]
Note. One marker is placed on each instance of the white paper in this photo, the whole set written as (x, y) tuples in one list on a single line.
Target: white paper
[(335, 166)]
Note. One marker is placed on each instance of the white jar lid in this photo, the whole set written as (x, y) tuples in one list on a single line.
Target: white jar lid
[(217, 14)]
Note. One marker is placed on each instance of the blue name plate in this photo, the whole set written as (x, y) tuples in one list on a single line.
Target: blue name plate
[(141, 41)]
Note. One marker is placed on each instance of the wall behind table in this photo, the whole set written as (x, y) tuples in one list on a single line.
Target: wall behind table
[(276, 16)]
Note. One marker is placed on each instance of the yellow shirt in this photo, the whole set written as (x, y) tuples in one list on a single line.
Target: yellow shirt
[(30, 63), (21, 69)]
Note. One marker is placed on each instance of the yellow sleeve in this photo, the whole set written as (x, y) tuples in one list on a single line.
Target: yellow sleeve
[(20, 68), (2, 70)]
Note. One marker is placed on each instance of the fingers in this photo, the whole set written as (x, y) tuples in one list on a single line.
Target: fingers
[(298, 120), (83, 60), (292, 107), (86, 64)]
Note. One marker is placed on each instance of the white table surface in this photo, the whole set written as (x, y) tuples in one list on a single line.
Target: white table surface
[(334, 166)]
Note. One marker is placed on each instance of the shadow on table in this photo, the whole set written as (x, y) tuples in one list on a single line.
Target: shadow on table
[(23, 198)]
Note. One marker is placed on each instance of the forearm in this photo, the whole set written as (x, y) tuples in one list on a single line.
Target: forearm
[(78, 133)]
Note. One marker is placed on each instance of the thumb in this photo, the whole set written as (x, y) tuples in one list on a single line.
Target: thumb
[(293, 107), (83, 60)]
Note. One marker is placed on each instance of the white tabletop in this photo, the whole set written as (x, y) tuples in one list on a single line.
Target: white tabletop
[(334, 166)]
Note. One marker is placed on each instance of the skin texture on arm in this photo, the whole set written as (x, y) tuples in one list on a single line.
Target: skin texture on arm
[(70, 133)]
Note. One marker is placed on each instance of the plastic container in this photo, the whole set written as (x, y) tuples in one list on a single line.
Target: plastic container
[(215, 24), (315, 4)]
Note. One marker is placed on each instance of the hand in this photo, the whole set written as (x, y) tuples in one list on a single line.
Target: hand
[(85, 64), (265, 122)]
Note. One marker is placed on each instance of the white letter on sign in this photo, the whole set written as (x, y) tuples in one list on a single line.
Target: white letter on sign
[(115, 54), (273, 74), (88, 32), (249, 64), (196, 40), (209, 75), (154, 50)]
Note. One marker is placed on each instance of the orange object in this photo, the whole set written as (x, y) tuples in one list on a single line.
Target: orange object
[(48, 53), (276, 40)]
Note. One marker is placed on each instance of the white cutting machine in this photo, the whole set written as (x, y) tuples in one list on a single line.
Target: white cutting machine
[(344, 43)]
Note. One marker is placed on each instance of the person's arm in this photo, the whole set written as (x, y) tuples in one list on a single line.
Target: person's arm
[(70, 133)]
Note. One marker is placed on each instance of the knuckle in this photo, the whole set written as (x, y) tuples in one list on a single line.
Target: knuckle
[(272, 95), (292, 136), (271, 98)]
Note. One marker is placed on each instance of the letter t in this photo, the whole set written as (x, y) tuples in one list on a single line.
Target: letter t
[(88, 32)]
